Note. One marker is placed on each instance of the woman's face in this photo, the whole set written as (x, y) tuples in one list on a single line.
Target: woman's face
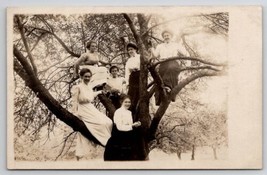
[(126, 103), (167, 37), (114, 72), (86, 77), (131, 51), (93, 47)]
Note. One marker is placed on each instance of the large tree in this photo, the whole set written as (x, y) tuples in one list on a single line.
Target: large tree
[(46, 46)]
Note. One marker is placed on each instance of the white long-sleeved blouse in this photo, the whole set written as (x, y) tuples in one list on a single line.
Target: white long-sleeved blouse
[(123, 119), (116, 83), (171, 49), (133, 63)]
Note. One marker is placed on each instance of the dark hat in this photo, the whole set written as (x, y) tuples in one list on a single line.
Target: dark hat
[(132, 45), (166, 31)]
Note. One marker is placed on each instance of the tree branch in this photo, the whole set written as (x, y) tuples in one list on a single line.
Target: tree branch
[(188, 58), (191, 78), (26, 73), (21, 30), (60, 41), (157, 117), (199, 68)]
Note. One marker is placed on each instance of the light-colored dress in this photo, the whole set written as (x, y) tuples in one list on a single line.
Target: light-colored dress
[(99, 73), (97, 123)]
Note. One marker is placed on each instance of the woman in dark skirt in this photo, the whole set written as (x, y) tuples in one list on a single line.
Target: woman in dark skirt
[(169, 70), (132, 72), (123, 142)]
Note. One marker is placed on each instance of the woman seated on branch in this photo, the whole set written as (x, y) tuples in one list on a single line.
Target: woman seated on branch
[(96, 122), (91, 59)]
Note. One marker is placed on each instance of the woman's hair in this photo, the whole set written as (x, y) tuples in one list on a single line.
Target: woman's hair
[(113, 67), (84, 71), (132, 45), (88, 45), (123, 97), (167, 31)]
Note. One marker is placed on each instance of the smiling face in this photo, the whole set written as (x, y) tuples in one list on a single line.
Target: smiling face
[(86, 77), (167, 37), (126, 103), (131, 51), (92, 47), (114, 72)]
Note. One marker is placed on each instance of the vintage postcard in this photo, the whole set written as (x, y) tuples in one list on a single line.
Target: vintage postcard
[(134, 87)]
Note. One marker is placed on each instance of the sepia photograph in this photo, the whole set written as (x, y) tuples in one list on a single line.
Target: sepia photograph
[(134, 88)]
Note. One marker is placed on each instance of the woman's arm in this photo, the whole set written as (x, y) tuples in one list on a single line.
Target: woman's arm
[(97, 93), (127, 73), (155, 52), (74, 97), (103, 62)]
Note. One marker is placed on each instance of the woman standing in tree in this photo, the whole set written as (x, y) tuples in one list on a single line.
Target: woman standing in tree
[(132, 73), (168, 70), (123, 144), (91, 59), (97, 123)]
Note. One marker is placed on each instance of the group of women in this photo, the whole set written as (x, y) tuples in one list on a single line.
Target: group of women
[(118, 137)]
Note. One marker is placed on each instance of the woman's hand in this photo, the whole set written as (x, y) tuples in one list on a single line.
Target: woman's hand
[(136, 124)]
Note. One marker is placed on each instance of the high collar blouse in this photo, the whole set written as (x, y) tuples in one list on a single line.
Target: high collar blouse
[(133, 63), (171, 49), (123, 119)]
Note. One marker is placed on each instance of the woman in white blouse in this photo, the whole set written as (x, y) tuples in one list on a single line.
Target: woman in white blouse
[(115, 86), (122, 144), (123, 116), (169, 70), (132, 73)]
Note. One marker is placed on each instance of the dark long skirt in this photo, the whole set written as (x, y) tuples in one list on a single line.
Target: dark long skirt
[(133, 90), (121, 146), (169, 72)]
